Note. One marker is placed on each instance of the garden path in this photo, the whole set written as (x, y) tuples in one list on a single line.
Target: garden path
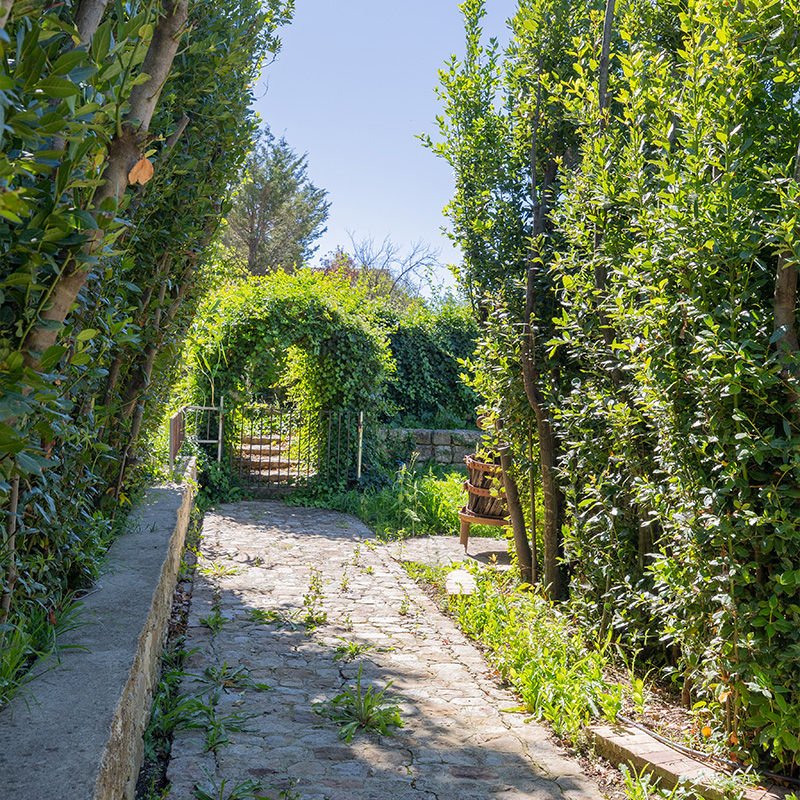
[(461, 739)]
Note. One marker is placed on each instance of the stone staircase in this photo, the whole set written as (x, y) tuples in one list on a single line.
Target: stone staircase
[(266, 460)]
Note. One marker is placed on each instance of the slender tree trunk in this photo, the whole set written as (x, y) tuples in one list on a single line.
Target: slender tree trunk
[(11, 548), (532, 481), (515, 513), (605, 55), (123, 154), (555, 583), (785, 316), (88, 18)]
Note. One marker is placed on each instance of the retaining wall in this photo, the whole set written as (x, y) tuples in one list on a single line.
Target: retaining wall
[(77, 731), (438, 446)]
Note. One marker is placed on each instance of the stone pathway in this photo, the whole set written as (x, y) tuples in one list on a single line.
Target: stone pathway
[(460, 740)]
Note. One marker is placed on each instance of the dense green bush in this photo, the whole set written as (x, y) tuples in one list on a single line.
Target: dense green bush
[(629, 224), (429, 345), (101, 273), (306, 338)]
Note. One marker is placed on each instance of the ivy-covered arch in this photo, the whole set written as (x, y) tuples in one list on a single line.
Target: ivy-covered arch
[(311, 338)]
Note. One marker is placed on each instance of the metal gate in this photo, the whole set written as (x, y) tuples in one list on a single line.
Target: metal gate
[(200, 424), (274, 449)]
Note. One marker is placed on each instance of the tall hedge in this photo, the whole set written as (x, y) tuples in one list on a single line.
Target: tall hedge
[(125, 127), (653, 323), (431, 346)]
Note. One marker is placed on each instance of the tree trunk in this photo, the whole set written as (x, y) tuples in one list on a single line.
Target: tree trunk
[(605, 55), (532, 481), (11, 548), (521, 544), (88, 17), (555, 582), (123, 153), (785, 316)]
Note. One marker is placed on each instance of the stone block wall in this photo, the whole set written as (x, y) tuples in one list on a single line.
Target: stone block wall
[(438, 446)]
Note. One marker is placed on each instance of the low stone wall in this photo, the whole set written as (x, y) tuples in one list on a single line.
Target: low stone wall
[(438, 446), (78, 733)]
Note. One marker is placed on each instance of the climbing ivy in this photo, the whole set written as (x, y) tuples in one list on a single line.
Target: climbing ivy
[(307, 338), (430, 346)]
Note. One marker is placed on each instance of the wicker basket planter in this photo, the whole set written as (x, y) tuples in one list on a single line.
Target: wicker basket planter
[(487, 500)]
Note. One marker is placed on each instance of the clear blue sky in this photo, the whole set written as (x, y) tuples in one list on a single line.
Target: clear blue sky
[(352, 87)]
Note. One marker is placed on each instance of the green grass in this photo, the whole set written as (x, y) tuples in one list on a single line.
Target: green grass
[(28, 647), (535, 648)]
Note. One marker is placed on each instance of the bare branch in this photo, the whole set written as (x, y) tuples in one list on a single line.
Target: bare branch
[(387, 262)]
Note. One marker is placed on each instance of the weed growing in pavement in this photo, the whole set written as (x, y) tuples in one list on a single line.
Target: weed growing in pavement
[(218, 570), (214, 620), (405, 604), (344, 582), (153, 792), (369, 570), (217, 727), (347, 651), (242, 790), (171, 710), (272, 616), (312, 601), (227, 679), (356, 554), (356, 708)]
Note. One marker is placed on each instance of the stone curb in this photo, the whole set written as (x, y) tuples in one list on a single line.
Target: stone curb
[(78, 732), (624, 744)]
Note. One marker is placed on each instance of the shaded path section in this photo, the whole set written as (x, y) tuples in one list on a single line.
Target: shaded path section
[(460, 740)]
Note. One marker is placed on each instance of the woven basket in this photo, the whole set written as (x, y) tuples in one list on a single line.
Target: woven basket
[(485, 488)]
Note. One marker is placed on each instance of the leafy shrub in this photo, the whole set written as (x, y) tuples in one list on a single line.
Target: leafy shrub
[(429, 346)]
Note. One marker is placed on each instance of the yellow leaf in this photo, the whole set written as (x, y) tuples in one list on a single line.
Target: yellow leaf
[(706, 731), (142, 172)]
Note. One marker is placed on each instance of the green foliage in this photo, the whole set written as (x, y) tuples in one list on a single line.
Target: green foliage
[(71, 413), (28, 648), (537, 650), (666, 362), (308, 337), (218, 483), (355, 708), (347, 651), (429, 346)]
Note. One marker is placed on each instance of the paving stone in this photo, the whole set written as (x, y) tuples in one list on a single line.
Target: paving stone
[(456, 743)]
